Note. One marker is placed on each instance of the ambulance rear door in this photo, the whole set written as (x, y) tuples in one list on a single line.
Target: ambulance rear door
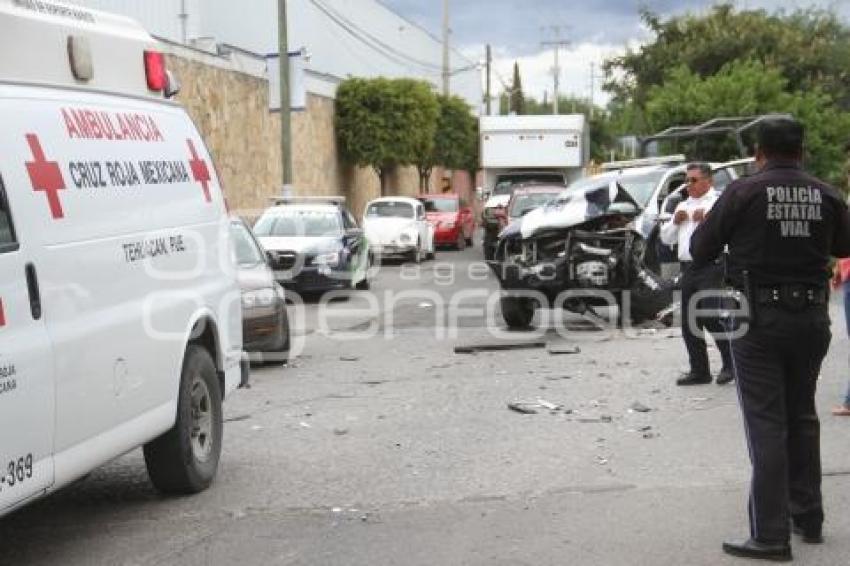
[(27, 389)]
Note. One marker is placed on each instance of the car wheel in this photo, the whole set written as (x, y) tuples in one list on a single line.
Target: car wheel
[(280, 354), (365, 284), (184, 460), (461, 241), (416, 254), (518, 312)]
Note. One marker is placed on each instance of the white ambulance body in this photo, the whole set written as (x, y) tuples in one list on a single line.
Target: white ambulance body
[(120, 315)]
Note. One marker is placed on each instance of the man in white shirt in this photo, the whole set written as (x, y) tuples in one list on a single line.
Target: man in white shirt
[(678, 231)]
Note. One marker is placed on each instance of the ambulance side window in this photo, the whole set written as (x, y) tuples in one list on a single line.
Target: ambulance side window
[(8, 242)]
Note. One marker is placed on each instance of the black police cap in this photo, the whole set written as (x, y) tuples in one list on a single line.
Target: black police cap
[(781, 136)]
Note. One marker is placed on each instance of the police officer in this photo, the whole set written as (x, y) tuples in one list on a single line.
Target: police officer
[(781, 226)]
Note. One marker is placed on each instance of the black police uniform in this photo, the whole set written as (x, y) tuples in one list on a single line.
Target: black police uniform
[(781, 226)]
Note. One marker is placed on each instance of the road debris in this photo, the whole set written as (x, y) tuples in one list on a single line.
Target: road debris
[(639, 407), (237, 419), (562, 350), (547, 405), (531, 407), (340, 431), (599, 419), (557, 377), (349, 358), (523, 408), (498, 346)]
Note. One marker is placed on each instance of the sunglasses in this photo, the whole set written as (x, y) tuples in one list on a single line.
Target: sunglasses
[(694, 179)]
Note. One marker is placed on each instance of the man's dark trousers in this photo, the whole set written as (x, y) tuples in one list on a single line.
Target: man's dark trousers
[(776, 363), (693, 280)]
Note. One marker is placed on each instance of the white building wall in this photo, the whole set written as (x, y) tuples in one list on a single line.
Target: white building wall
[(344, 38), (159, 17)]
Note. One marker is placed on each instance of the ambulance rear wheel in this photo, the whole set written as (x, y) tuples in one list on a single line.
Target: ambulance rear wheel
[(184, 460)]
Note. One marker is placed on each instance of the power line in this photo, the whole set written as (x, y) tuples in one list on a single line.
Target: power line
[(377, 44)]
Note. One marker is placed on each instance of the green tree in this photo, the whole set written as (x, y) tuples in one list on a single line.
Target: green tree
[(809, 48), (383, 123), (746, 88), (456, 127), (516, 97)]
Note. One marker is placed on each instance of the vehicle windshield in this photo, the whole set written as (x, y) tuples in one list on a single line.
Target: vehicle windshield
[(507, 183), (440, 204), (299, 222), (524, 203), (389, 209), (245, 247), (641, 187)]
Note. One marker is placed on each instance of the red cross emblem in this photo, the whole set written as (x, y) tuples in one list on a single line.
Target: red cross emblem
[(45, 176), (200, 171)]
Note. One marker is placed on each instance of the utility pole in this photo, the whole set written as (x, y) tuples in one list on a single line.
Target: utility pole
[(446, 61), (489, 58), (285, 115), (557, 43), (184, 23), (593, 77)]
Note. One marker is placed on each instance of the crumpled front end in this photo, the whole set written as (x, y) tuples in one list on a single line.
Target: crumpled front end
[(596, 257)]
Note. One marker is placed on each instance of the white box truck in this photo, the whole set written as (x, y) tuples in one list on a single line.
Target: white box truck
[(516, 150)]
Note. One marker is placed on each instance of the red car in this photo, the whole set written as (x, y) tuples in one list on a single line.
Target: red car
[(453, 220), (526, 199)]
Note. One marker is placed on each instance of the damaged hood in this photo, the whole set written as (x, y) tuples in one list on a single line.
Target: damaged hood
[(574, 207)]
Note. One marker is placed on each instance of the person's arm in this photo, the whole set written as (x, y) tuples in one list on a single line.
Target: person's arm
[(713, 233), (669, 233)]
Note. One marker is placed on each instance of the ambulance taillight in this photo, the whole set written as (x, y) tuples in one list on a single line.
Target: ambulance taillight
[(155, 71)]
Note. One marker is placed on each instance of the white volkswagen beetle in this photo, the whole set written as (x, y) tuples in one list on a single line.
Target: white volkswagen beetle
[(396, 226)]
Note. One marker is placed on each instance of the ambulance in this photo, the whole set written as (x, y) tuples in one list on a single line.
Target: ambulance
[(120, 313)]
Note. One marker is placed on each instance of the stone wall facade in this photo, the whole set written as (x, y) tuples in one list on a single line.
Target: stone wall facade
[(230, 107)]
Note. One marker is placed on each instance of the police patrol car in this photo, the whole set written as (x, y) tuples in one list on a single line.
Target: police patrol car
[(120, 320)]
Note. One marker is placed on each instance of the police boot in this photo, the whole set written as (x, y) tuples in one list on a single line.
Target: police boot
[(751, 548), (809, 528)]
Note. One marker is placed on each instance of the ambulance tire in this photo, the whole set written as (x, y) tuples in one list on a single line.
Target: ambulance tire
[(184, 460)]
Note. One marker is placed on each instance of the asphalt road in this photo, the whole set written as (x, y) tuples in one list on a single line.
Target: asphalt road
[(379, 445)]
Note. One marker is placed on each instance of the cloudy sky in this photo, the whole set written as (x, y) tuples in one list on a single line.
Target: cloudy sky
[(596, 31)]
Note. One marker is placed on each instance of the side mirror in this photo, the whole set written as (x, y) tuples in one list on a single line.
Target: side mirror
[(271, 259)]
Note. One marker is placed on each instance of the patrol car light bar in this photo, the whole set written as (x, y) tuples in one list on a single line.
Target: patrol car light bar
[(311, 200), (155, 71), (644, 162)]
